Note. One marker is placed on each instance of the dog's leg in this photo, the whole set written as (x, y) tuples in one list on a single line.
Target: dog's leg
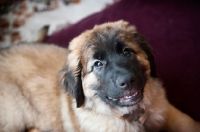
[(177, 121)]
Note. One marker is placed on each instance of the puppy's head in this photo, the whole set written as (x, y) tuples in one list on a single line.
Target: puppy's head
[(111, 62)]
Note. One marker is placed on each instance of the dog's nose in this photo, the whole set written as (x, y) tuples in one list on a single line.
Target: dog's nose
[(124, 81)]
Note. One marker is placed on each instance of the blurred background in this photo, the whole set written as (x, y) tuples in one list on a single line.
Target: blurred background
[(28, 20), (171, 27)]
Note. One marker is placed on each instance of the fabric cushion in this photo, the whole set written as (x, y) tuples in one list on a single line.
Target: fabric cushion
[(172, 29)]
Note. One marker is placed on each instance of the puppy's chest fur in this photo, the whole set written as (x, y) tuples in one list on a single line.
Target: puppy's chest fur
[(87, 120), (109, 124)]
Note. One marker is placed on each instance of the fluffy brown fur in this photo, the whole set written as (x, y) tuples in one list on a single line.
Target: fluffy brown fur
[(49, 88)]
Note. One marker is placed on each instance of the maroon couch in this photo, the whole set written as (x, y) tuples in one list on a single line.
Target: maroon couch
[(173, 30)]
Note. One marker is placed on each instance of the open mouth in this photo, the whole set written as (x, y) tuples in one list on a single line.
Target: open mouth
[(126, 97), (129, 99)]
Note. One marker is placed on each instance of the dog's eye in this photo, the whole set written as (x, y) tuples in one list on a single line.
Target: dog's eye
[(127, 52), (98, 64)]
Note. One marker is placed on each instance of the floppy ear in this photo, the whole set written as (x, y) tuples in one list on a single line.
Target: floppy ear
[(72, 83), (148, 51)]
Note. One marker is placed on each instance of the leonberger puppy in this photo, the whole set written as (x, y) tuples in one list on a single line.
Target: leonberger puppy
[(105, 82)]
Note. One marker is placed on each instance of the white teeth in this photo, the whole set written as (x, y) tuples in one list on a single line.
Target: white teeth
[(128, 97), (112, 98), (125, 97), (135, 93)]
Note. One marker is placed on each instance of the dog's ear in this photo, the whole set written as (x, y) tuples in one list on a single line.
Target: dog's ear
[(72, 83), (148, 51)]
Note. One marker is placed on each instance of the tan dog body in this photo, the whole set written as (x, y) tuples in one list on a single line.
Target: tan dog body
[(31, 94)]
